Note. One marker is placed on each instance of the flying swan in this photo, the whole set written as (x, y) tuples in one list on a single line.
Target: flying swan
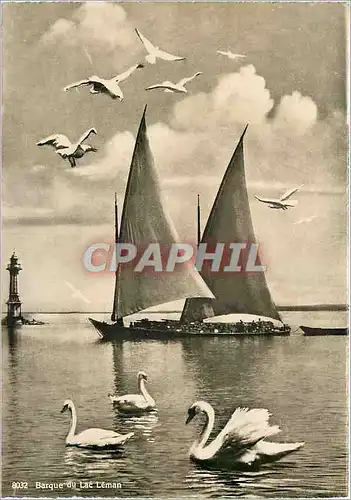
[(102, 86), (174, 87), (68, 150), (282, 202), (92, 438), (241, 442), (230, 54), (155, 52), (135, 403)]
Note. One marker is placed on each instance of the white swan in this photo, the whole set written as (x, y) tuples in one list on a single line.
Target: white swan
[(135, 403), (92, 438), (68, 150), (102, 86), (241, 442), (174, 87), (230, 54), (155, 52), (281, 202)]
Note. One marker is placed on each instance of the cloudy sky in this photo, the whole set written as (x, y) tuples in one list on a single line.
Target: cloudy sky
[(290, 88)]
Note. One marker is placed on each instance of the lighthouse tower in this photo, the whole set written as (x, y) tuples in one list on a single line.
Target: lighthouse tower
[(14, 314)]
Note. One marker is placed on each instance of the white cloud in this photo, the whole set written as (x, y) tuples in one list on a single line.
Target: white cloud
[(115, 162), (296, 114), (105, 24), (61, 29), (98, 29), (238, 98), (283, 149)]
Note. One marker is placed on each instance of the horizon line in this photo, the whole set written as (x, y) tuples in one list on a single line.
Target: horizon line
[(304, 307)]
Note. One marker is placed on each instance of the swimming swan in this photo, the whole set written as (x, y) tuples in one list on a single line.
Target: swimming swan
[(66, 149), (174, 87), (155, 52), (102, 86), (135, 403), (241, 442), (92, 438)]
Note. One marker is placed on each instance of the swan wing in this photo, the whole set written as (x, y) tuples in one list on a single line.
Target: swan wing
[(289, 193), (164, 86), (131, 403), (223, 53), (266, 200), (161, 54), (86, 134), (231, 55), (101, 437), (147, 44), (129, 399), (268, 451), (58, 141), (272, 449), (78, 84), (184, 81), (247, 427), (123, 76), (97, 433)]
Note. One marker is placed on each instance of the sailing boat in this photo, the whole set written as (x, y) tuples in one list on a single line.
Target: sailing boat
[(143, 220), (229, 222)]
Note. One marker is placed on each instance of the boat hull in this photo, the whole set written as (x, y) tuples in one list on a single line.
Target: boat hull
[(311, 331), (168, 330)]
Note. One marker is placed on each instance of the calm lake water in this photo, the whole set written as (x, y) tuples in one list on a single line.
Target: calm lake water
[(301, 380)]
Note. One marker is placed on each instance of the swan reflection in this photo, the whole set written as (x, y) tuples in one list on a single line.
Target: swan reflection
[(82, 461), (219, 480), (140, 424)]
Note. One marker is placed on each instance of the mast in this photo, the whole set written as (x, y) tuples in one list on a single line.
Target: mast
[(198, 220), (115, 299), (230, 222)]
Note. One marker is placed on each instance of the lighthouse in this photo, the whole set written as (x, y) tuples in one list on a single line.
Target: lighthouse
[(14, 314)]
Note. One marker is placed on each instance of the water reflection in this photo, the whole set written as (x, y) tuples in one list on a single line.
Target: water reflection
[(206, 479), (234, 483), (300, 380), (140, 424), (92, 462)]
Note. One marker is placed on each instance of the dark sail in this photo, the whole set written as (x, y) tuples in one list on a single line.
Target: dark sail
[(144, 222), (230, 222)]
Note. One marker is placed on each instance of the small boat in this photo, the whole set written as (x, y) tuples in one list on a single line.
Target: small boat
[(311, 331), (208, 293)]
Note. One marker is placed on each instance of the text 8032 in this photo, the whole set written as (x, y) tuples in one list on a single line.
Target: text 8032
[(19, 485)]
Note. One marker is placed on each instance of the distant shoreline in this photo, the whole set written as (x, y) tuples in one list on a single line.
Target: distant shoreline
[(307, 307)]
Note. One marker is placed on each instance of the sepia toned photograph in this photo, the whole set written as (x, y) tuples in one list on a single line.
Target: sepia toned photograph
[(175, 212)]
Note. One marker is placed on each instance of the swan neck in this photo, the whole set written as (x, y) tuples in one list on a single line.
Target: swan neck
[(207, 429), (73, 422), (143, 391)]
